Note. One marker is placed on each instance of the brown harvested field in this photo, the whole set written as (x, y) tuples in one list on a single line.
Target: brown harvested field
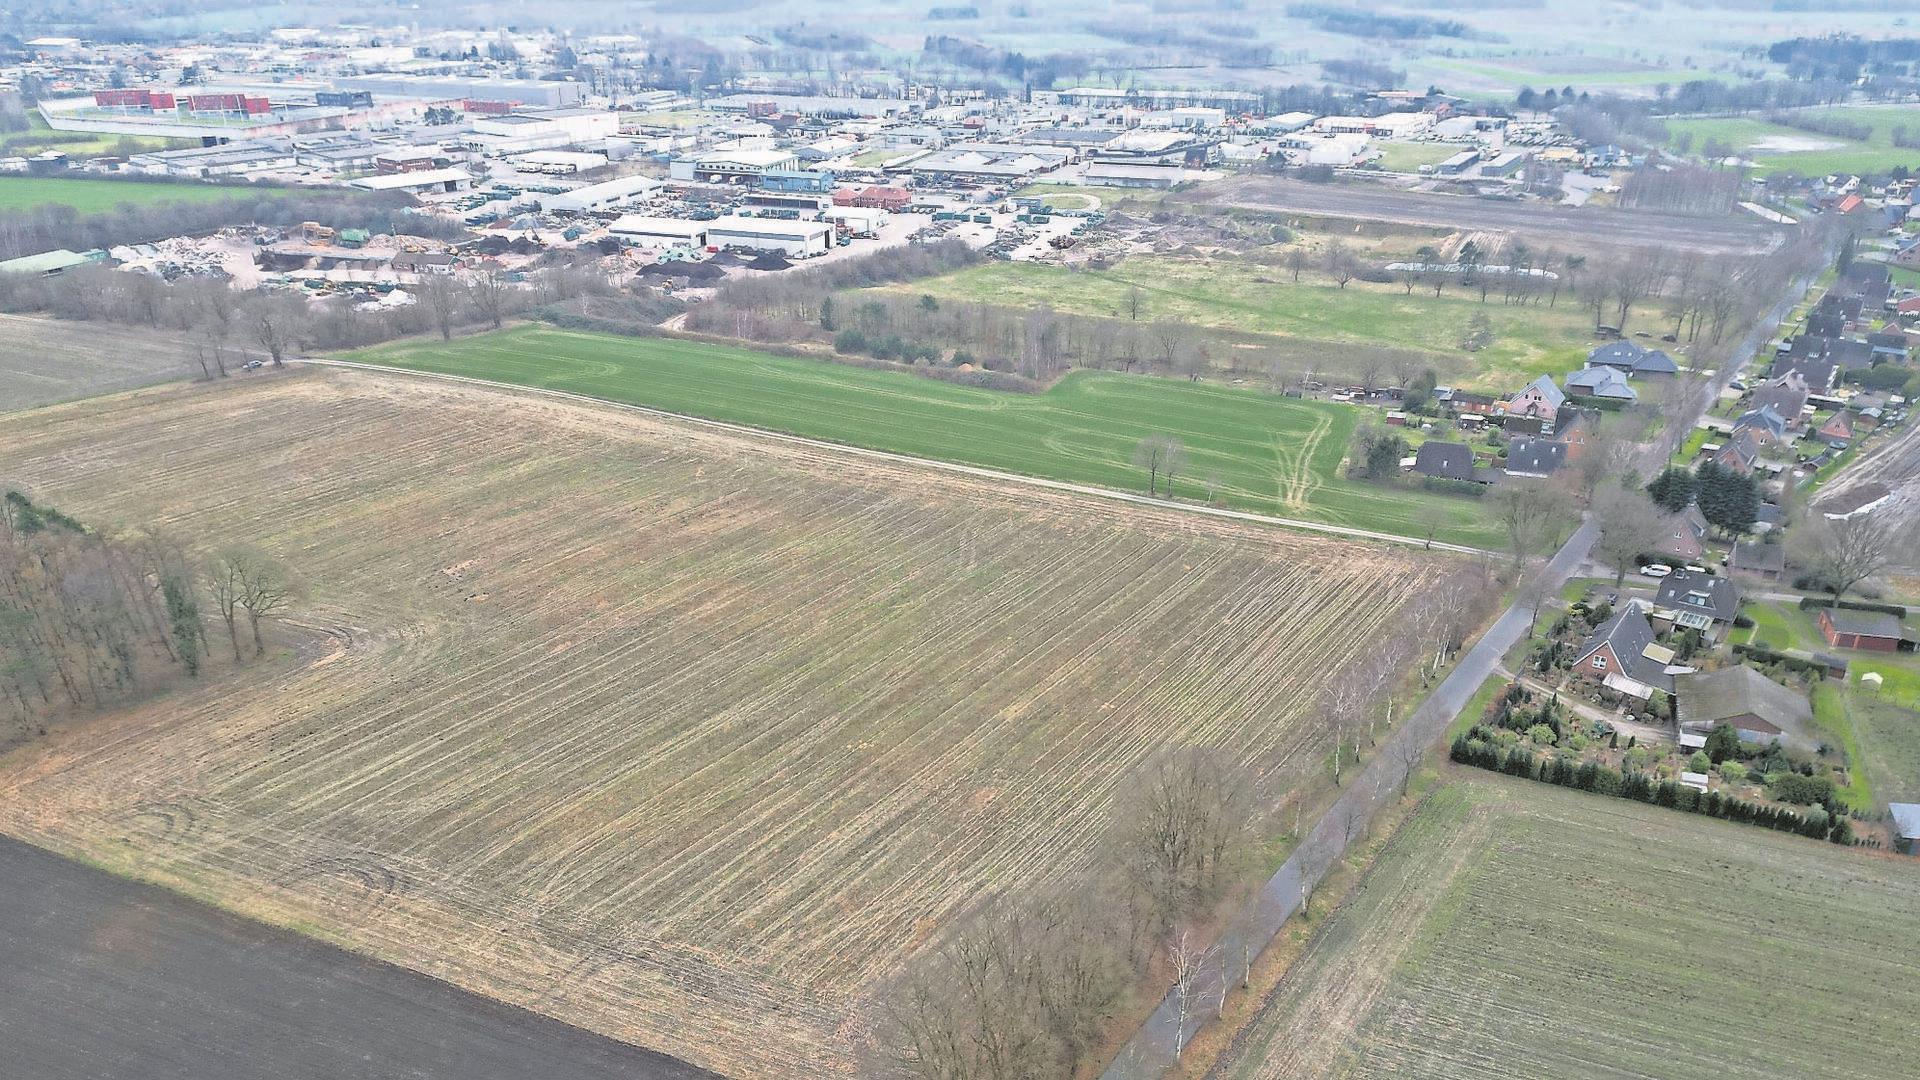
[(45, 360), (685, 738)]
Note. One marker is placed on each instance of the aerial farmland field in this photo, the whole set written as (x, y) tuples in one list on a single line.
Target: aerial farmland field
[(44, 360), (1520, 930), (99, 196), (1237, 295), (686, 738), (1254, 451)]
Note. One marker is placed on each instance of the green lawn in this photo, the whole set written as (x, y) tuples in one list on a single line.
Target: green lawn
[(99, 196), (1406, 157), (1267, 454), (1525, 931), (1748, 136), (1244, 297)]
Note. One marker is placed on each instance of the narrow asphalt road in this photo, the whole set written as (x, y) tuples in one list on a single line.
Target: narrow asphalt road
[(1150, 1052), (102, 978), (906, 459)]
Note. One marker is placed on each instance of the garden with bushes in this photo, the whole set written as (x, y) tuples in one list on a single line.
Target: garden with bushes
[(1521, 734)]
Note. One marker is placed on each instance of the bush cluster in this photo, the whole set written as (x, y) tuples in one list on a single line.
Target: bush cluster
[(1809, 603), (1481, 747)]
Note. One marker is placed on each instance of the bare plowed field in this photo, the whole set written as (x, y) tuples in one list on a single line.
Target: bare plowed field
[(683, 738), (1513, 929), (44, 360)]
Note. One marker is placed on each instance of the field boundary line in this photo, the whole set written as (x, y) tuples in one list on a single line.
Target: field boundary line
[(975, 471)]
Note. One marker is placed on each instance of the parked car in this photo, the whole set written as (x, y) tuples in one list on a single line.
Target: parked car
[(1656, 569)]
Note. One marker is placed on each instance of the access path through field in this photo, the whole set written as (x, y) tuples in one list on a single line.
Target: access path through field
[(1267, 454)]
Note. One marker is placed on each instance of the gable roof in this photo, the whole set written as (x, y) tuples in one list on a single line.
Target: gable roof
[(1707, 698), (1601, 381), (1906, 819), (1629, 635), (1655, 362), (1621, 353), (1546, 390), (1707, 594), (1535, 457), (1765, 418), (1453, 461), (1863, 623), (1840, 426)]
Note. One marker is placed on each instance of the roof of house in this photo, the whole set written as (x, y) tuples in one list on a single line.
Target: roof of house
[(1766, 417), (1877, 624), (1707, 698), (1548, 392), (1839, 427), (1850, 354), (1707, 594), (1621, 353), (1601, 381), (1453, 461), (1906, 819), (1535, 457), (1630, 635)]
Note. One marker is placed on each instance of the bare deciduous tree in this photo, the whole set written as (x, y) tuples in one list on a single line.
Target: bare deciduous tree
[(1163, 457), (1843, 552), (1188, 811), (1629, 525)]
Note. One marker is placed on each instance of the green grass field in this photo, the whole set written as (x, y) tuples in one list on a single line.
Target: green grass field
[(1518, 930), (1407, 157), (1245, 297), (1261, 453), (100, 196), (1749, 136)]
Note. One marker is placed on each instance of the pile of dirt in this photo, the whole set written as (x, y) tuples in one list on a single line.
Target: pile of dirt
[(770, 261)]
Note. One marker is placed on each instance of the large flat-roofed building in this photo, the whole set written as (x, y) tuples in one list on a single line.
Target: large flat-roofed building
[(660, 231), (543, 129), (537, 92), (806, 105), (241, 159), (601, 196), (733, 164), (798, 239), (423, 182)]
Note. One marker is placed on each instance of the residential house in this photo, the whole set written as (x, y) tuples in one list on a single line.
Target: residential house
[(1850, 354), (1838, 431), (1787, 396), (1766, 562), (1756, 707), (1771, 517), (1819, 374), (1631, 358), (1766, 425), (1535, 457), (1448, 461), (1686, 535), (1697, 601), (1601, 381), (1623, 656), (1738, 453), (1906, 826), (1533, 410), (1873, 631)]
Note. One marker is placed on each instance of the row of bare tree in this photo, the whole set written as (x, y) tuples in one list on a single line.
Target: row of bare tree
[(86, 619), (1026, 988)]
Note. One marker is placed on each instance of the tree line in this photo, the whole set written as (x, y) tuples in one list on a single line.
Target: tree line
[(87, 619), (1026, 987)]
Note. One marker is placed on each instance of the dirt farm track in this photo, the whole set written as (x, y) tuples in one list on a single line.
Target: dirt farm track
[(686, 738)]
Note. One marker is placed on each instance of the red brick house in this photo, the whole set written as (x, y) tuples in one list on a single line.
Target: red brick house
[(1873, 631)]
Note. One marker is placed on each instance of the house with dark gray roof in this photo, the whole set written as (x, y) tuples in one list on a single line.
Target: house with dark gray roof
[(1448, 461), (1760, 709), (1695, 601), (1601, 381), (1535, 457), (1632, 358), (1764, 561), (1623, 656), (1766, 424)]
